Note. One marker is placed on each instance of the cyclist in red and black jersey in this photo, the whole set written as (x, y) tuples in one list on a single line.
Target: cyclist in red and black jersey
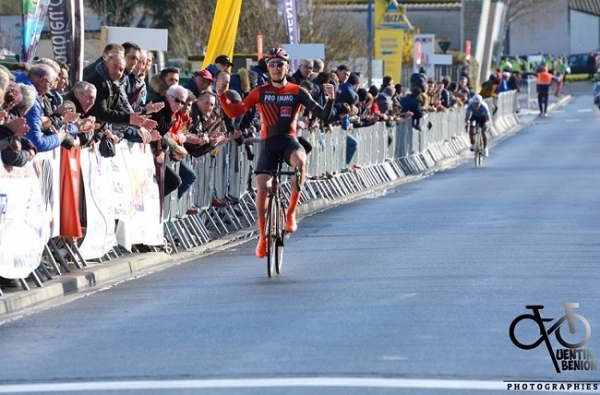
[(279, 103)]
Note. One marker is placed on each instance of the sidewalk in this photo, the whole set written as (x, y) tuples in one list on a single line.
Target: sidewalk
[(17, 301)]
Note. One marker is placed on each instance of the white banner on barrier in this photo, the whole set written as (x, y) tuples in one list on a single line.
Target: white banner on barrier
[(47, 166), (24, 229), (136, 192), (100, 222)]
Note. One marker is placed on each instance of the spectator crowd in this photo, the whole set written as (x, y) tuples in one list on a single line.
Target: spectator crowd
[(117, 99)]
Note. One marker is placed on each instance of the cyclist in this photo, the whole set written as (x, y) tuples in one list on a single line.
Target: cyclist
[(478, 111), (279, 103)]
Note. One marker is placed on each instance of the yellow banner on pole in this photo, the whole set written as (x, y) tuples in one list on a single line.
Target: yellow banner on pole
[(390, 23), (223, 31)]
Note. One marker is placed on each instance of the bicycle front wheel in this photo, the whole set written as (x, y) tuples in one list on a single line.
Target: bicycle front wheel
[(280, 239), (271, 234)]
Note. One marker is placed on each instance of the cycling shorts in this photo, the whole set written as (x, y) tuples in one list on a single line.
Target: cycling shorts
[(273, 147), (480, 122)]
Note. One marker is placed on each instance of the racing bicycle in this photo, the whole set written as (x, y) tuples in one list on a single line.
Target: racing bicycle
[(275, 221), (478, 149)]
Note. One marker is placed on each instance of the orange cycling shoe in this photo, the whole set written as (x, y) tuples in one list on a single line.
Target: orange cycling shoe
[(291, 224), (261, 248)]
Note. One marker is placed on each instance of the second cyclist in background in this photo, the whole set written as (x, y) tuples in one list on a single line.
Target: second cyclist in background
[(478, 111), (279, 103)]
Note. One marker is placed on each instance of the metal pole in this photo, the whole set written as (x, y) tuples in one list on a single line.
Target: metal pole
[(105, 17), (370, 43)]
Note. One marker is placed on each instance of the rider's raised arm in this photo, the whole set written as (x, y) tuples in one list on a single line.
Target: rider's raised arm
[(324, 113), (236, 109)]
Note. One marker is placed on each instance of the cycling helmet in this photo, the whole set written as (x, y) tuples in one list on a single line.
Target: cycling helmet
[(477, 99), (277, 53)]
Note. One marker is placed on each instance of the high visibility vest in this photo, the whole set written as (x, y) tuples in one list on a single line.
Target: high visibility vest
[(544, 78)]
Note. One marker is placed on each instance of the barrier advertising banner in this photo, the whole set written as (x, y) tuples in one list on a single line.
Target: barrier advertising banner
[(99, 211), (136, 190), (47, 167), (23, 229)]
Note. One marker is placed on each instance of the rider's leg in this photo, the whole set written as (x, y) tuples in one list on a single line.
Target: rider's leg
[(261, 210), (484, 134), (298, 160), (471, 135)]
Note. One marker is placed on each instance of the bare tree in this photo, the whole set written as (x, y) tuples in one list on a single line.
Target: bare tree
[(342, 32), (11, 7), (116, 12), (189, 30), (259, 17)]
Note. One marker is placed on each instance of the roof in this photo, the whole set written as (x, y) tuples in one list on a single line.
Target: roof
[(587, 6)]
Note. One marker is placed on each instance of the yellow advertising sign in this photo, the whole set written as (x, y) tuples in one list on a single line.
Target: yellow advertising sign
[(390, 23)]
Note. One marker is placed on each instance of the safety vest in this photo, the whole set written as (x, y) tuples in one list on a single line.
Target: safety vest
[(544, 78)]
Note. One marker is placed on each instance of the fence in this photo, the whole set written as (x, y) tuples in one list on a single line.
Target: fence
[(124, 189)]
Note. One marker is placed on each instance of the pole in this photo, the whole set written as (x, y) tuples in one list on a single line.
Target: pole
[(370, 43)]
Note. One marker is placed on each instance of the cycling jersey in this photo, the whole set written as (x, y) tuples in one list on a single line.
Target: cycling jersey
[(482, 112), (278, 108)]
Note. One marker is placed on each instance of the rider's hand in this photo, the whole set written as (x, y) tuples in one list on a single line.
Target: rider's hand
[(329, 91), (222, 82)]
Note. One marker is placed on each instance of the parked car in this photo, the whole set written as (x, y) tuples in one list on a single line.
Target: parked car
[(578, 63)]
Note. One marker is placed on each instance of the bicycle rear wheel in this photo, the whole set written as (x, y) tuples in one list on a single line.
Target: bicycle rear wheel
[(271, 234), (280, 238)]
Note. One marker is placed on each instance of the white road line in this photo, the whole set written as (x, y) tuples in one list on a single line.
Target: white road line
[(584, 110), (573, 120), (559, 111), (256, 383)]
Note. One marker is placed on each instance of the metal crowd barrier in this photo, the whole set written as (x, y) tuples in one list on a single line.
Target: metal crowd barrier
[(383, 154), (532, 100)]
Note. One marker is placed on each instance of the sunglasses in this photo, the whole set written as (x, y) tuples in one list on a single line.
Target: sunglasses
[(279, 64), (177, 100)]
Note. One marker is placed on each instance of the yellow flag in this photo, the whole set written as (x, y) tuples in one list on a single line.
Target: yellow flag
[(223, 30)]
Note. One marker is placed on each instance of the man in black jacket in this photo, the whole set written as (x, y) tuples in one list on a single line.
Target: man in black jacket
[(110, 49), (108, 107)]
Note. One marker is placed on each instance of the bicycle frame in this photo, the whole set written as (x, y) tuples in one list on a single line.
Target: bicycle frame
[(478, 140), (275, 218)]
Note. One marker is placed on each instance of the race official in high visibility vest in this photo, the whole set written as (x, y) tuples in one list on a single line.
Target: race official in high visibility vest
[(544, 80)]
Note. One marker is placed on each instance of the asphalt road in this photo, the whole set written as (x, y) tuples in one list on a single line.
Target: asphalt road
[(411, 292)]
